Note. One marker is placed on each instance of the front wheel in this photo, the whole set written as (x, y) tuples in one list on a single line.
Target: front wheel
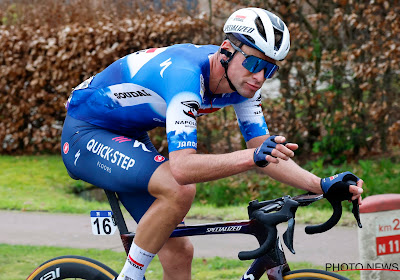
[(312, 274), (72, 267)]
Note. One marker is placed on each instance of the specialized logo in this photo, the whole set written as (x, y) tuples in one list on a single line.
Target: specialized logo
[(131, 94), (159, 158), (238, 28), (66, 148), (165, 65), (224, 229), (193, 108), (135, 263), (121, 139), (78, 153), (107, 153)]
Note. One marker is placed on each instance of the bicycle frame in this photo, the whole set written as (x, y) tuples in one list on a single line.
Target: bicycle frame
[(274, 262)]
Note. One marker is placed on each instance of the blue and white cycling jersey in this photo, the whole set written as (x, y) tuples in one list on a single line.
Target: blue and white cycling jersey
[(161, 87)]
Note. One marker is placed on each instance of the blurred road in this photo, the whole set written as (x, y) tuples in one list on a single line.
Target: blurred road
[(65, 230)]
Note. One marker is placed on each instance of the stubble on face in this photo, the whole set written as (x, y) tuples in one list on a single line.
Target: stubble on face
[(245, 82)]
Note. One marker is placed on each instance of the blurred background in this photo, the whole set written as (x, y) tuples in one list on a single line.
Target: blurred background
[(336, 94)]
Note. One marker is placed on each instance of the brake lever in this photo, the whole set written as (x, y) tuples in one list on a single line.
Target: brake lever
[(356, 207), (288, 236), (270, 221), (356, 212)]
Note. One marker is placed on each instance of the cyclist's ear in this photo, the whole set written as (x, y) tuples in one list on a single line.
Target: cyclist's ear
[(226, 47)]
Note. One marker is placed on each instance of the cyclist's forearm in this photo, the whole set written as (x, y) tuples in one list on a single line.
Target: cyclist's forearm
[(290, 173), (189, 167)]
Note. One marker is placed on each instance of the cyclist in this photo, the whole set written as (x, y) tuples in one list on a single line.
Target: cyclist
[(105, 141)]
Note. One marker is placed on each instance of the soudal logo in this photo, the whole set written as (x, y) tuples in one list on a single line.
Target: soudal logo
[(193, 108), (131, 94), (238, 28)]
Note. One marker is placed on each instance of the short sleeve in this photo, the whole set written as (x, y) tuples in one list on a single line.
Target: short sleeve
[(250, 117), (181, 121)]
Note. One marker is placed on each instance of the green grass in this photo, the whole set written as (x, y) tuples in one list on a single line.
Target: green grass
[(17, 262), (41, 183), (304, 215)]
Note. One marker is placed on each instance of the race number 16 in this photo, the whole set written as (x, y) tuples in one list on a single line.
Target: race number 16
[(102, 223)]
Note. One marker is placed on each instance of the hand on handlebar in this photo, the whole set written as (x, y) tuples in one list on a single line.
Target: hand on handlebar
[(270, 213), (342, 186), (273, 149)]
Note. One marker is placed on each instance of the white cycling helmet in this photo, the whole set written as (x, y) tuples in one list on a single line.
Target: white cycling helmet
[(275, 43)]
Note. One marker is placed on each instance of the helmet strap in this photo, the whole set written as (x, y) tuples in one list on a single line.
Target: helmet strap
[(227, 77), (225, 64)]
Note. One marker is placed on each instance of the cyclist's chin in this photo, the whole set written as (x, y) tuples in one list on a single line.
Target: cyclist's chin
[(246, 92)]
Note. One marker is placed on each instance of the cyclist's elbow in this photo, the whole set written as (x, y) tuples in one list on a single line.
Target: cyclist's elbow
[(180, 170), (179, 174)]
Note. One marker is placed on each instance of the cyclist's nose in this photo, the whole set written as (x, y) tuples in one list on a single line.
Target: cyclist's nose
[(259, 76)]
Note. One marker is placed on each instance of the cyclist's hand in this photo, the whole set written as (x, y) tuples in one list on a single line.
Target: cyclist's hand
[(337, 187), (273, 149)]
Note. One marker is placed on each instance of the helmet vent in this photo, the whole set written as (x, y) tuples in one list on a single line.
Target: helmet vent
[(278, 38), (260, 28)]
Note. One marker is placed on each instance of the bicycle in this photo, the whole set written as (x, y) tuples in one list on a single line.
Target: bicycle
[(264, 217)]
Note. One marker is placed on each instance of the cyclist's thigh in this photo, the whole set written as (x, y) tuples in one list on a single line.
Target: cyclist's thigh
[(111, 161)]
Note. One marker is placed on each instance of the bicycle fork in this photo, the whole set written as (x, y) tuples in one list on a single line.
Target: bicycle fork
[(273, 264)]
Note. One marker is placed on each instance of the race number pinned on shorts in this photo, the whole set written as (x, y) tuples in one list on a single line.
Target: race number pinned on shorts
[(103, 222)]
